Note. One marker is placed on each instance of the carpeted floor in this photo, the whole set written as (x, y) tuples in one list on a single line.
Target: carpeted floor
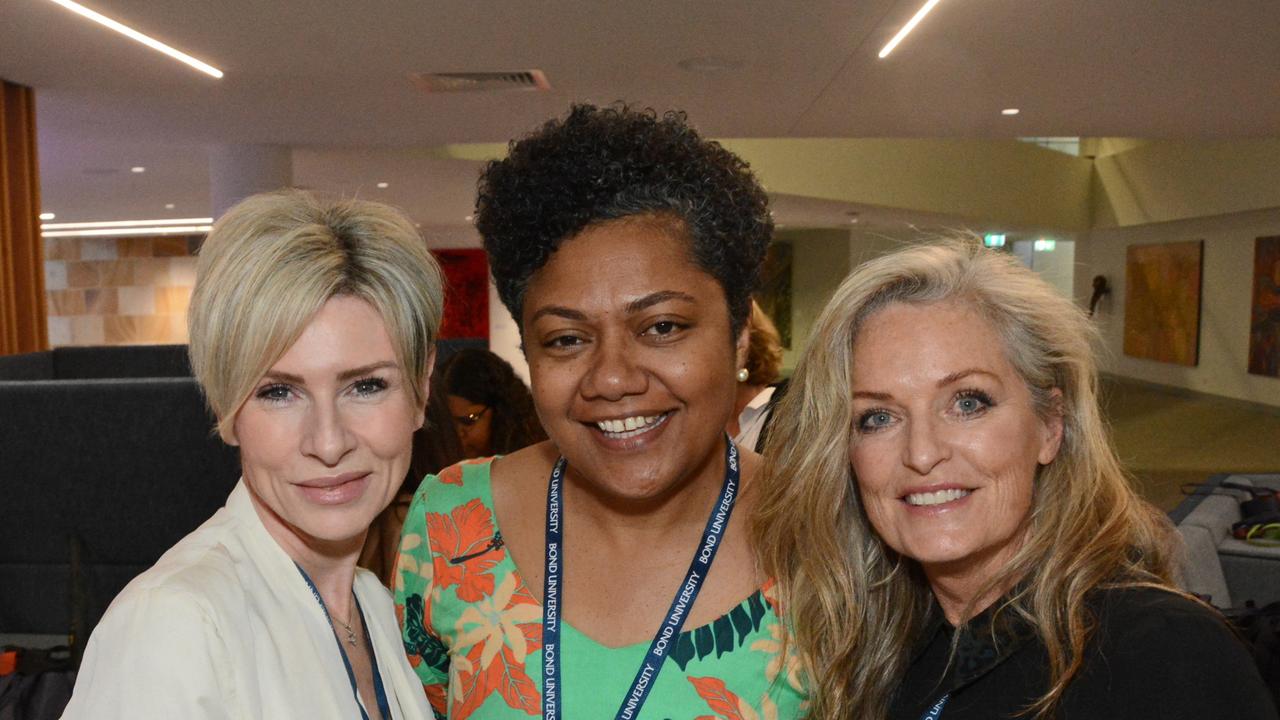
[(1167, 438)]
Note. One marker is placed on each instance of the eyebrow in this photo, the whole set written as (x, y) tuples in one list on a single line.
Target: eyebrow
[(344, 375), (949, 379), (631, 308), (558, 311), (657, 298)]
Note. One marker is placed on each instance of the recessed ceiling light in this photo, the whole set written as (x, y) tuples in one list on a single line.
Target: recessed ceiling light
[(1010, 111), (47, 216), (383, 186), (911, 25), (137, 169), (470, 218), (168, 206), (134, 35), (853, 216)]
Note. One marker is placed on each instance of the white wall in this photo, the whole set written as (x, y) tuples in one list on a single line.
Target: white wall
[(1225, 301), (504, 335)]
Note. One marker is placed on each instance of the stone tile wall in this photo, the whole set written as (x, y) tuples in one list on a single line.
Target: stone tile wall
[(119, 291)]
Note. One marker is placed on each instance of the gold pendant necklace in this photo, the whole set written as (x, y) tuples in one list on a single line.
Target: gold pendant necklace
[(351, 633)]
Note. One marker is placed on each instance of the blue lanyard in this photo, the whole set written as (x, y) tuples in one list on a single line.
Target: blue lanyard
[(935, 712), (680, 605), (379, 691)]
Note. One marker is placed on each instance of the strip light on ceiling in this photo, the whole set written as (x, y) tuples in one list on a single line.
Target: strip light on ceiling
[(152, 230), (102, 228), (911, 25), (139, 37), (124, 223)]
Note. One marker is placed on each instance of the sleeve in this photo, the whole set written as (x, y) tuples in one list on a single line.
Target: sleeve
[(1180, 661), (155, 654), (413, 581)]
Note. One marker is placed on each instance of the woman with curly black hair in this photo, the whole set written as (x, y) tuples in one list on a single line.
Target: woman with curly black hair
[(491, 406), (626, 247)]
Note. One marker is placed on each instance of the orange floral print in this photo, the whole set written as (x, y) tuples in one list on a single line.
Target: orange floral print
[(466, 531)]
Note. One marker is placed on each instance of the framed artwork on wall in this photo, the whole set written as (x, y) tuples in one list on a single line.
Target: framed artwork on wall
[(466, 296), (1264, 321), (1162, 302)]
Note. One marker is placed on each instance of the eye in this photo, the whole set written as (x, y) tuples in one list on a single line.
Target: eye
[(664, 328), (873, 420), (275, 393), (369, 386), (972, 402), (563, 341)]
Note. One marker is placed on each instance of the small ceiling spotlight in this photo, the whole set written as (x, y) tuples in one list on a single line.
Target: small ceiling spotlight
[(853, 216), (169, 206), (47, 216), (1010, 111), (137, 169), (383, 185)]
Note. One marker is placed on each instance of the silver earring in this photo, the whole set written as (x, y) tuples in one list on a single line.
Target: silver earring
[(743, 374)]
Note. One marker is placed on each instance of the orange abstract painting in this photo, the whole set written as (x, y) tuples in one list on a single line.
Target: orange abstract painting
[(1162, 302)]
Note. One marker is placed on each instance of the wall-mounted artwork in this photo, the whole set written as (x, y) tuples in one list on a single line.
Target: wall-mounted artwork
[(1264, 323), (774, 295), (1162, 302), (466, 299)]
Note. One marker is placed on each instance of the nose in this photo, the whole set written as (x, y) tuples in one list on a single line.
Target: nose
[(326, 435), (925, 446), (613, 373)]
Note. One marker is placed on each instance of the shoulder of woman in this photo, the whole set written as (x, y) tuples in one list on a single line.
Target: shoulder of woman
[(1167, 655), (536, 460)]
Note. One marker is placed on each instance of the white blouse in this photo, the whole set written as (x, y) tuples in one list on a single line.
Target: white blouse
[(225, 626)]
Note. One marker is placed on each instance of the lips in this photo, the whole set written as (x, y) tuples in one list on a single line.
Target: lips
[(632, 426), (335, 489), (935, 497)]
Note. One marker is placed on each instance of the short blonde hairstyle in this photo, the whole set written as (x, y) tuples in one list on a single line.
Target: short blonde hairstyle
[(764, 348), (272, 261), (855, 605)]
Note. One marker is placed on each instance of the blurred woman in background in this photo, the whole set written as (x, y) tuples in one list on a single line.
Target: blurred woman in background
[(491, 406), (758, 387)]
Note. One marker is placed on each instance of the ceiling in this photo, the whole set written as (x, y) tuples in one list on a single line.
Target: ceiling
[(330, 78)]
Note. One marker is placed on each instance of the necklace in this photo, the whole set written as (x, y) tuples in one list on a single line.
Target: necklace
[(351, 633)]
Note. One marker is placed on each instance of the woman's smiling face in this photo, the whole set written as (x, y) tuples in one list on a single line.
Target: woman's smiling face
[(630, 357), (946, 440)]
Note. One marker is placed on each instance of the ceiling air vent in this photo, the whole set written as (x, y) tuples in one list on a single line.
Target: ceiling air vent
[(480, 81)]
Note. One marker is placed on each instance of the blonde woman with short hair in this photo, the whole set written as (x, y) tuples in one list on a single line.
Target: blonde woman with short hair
[(313, 326), (951, 531)]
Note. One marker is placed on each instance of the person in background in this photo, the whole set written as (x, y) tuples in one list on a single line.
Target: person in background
[(313, 327), (951, 530), (605, 570), (491, 406), (435, 447), (758, 387)]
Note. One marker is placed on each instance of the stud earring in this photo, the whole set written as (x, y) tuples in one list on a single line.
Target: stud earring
[(743, 375)]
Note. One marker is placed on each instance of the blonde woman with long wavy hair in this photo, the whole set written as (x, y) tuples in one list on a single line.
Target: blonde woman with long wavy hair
[(951, 531)]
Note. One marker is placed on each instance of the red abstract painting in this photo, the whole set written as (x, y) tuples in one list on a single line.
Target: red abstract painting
[(1264, 325), (466, 298)]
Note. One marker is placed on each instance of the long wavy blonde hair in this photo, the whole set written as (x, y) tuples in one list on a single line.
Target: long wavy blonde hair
[(855, 607)]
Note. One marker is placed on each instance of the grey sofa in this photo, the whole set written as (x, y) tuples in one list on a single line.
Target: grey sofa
[(1226, 570)]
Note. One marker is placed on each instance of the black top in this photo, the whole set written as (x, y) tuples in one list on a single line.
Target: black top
[(1154, 654)]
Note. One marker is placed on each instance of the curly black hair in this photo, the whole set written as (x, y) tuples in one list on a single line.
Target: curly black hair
[(601, 164), (482, 377)]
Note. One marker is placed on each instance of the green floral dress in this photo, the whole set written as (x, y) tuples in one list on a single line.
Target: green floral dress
[(473, 630)]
